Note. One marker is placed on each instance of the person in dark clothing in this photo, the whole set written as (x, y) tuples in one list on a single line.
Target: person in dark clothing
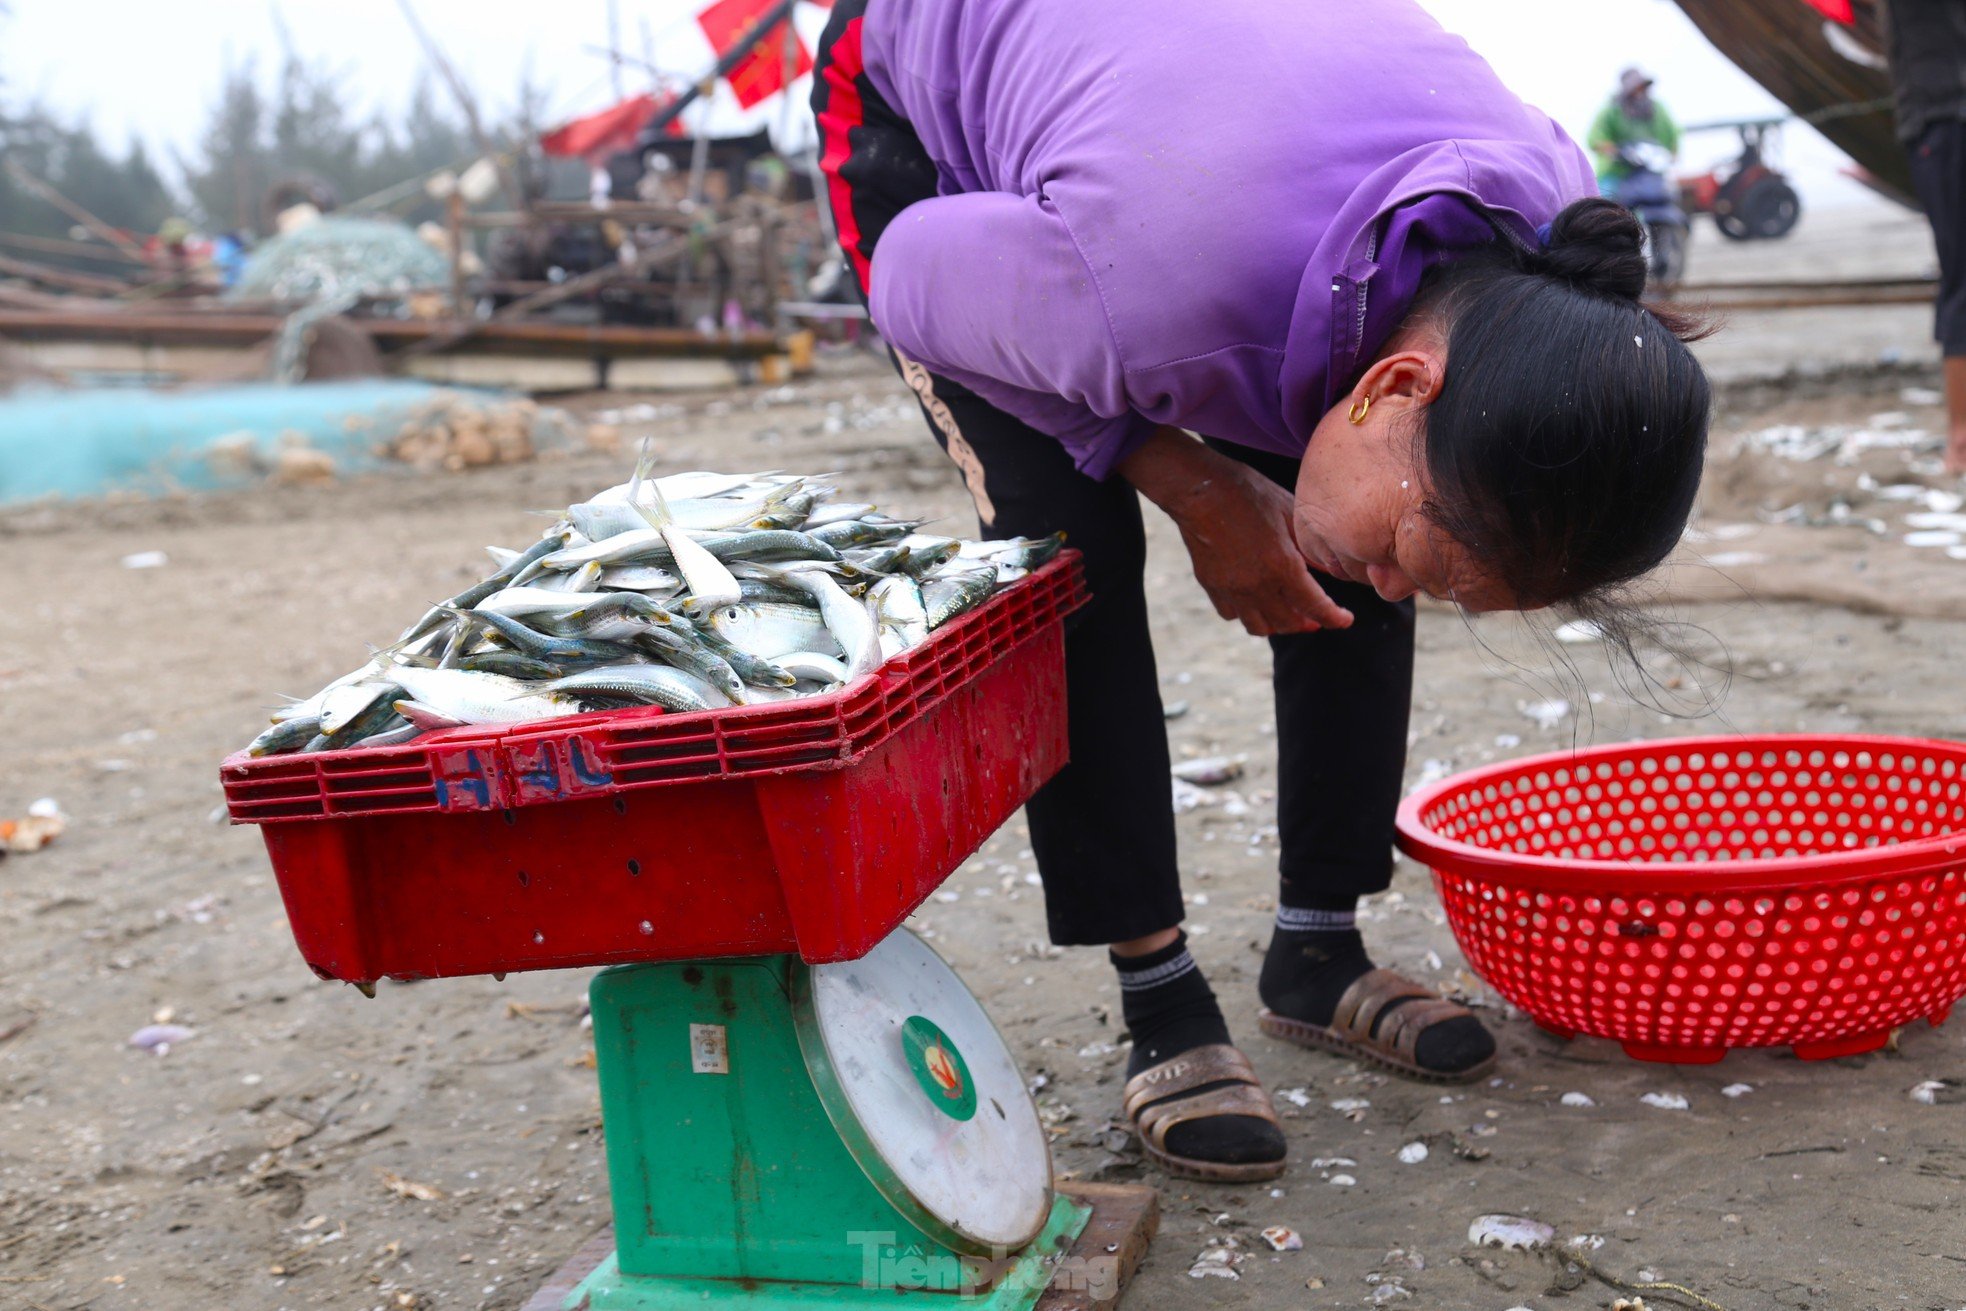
[(1927, 46)]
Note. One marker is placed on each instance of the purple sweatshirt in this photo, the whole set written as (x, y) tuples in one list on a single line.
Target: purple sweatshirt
[(1204, 213)]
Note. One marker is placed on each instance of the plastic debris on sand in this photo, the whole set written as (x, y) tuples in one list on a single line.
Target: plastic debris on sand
[(1514, 1233)]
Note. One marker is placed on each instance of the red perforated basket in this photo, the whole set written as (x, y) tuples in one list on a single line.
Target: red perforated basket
[(814, 825), (1690, 896)]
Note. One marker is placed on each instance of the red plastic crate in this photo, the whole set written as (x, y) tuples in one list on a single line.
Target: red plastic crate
[(814, 826), (1689, 896)]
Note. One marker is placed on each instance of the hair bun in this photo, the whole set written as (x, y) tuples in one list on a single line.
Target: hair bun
[(1598, 244)]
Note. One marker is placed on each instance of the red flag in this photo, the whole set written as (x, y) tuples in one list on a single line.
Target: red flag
[(598, 135), (1838, 10), (760, 75)]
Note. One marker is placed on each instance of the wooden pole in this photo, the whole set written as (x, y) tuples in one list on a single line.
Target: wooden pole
[(74, 211), (466, 102), (454, 213), (67, 279), (614, 46), (80, 249)]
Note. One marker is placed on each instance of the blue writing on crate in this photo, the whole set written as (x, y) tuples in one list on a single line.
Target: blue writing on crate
[(590, 774), (543, 775), (472, 784)]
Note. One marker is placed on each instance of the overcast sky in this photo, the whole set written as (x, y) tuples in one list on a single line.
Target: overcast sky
[(149, 69)]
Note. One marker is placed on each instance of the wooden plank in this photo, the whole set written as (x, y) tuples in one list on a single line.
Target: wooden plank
[(587, 339), (559, 1285), (526, 373), (1827, 298), (1093, 1276), (156, 361), (581, 340)]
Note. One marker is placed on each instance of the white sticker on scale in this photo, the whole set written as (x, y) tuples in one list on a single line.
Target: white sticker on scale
[(709, 1049)]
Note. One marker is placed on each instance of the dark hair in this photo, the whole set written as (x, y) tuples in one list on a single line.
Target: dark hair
[(1565, 446)]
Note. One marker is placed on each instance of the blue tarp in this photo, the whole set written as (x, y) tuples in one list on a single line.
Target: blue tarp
[(89, 443)]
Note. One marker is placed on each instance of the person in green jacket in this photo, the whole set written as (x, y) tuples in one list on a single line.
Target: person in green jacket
[(1631, 115)]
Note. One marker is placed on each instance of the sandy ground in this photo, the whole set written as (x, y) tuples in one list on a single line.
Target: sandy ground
[(251, 1166)]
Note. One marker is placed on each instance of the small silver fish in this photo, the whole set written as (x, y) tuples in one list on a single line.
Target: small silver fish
[(658, 684), (899, 606), (288, 735), (755, 671), (473, 698), (350, 702), (390, 737), (837, 512), (769, 629), (528, 602), (850, 621), (681, 646), (949, 595), (425, 718), (857, 532), (811, 666), (640, 578)]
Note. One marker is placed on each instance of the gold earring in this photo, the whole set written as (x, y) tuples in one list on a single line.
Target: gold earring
[(1359, 408)]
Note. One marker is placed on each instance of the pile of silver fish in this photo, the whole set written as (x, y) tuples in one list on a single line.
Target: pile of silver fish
[(691, 592)]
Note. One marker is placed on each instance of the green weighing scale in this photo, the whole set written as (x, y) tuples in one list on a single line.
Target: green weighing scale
[(792, 1136), (780, 1134)]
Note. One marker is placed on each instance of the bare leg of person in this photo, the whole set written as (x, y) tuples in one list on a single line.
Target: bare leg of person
[(1956, 413)]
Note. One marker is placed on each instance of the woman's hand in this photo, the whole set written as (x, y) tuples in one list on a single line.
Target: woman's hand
[(1236, 524)]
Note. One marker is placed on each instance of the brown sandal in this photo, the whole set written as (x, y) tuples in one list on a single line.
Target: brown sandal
[(1350, 1031), (1163, 1096)]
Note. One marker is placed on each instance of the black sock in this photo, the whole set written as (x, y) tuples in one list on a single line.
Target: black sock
[(1316, 954), (1167, 1004), (1169, 1009)]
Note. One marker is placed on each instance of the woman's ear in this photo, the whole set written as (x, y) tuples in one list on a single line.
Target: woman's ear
[(1413, 375)]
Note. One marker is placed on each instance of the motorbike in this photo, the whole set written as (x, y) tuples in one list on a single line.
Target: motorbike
[(1750, 199), (1647, 192)]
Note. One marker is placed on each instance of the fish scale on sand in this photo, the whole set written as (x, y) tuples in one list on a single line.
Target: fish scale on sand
[(691, 592)]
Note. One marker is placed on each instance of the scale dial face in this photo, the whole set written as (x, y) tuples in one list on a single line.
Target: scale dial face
[(926, 1095)]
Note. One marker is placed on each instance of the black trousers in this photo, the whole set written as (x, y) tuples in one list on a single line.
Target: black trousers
[(1103, 830), (1938, 172)]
